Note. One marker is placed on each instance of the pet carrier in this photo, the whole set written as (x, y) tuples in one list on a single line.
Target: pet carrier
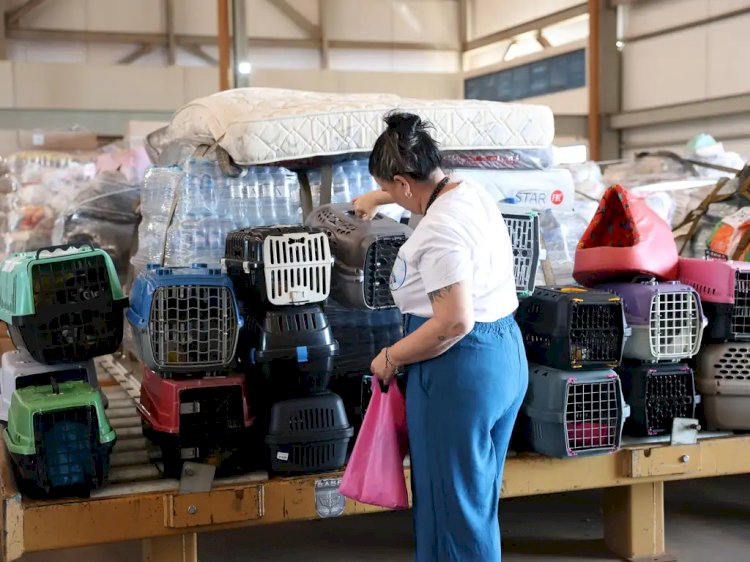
[(657, 394), (298, 343), (19, 370), (723, 379), (184, 319), (525, 237), (279, 265), (574, 414), (59, 438), (573, 328), (200, 420), (308, 435), (724, 288), (666, 319), (364, 251), (625, 238), (361, 334), (62, 303)]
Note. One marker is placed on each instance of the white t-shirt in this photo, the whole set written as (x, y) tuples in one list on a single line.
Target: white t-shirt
[(463, 236)]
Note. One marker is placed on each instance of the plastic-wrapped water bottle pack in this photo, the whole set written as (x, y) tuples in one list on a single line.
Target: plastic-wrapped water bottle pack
[(208, 205)]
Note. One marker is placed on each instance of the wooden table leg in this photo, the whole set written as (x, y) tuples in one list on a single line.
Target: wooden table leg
[(174, 548), (634, 521)]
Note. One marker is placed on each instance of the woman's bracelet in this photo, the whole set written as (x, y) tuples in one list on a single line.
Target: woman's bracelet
[(388, 360)]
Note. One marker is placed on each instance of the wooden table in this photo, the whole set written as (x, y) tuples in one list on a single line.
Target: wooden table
[(138, 505)]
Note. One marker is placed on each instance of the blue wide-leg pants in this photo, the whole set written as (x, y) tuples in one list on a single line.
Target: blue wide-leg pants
[(460, 409)]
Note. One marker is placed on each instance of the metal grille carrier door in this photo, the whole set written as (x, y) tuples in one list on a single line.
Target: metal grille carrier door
[(525, 238), (184, 319), (574, 414), (723, 379), (285, 265), (365, 252), (666, 319), (657, 394), (724, 288), (62, 303), (573, 328)]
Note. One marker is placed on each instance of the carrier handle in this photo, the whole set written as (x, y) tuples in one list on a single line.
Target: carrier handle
[(351, 213), (64, 247), (643, 279)]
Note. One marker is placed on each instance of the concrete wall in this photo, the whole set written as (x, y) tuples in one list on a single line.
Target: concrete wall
[(696, 64)]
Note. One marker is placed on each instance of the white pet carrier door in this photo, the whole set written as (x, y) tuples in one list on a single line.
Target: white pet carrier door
[(676, 325), (297, 268)]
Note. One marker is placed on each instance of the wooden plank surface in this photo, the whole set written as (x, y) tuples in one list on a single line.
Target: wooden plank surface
[(138, 504)]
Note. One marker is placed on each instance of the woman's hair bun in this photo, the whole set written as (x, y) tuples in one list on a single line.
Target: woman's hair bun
[(405, 124), (405, 147)]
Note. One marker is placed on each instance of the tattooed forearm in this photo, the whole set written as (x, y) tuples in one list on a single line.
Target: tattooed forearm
[(442, 338), (440, 293)]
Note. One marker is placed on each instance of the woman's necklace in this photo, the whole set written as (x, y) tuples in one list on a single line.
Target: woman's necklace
[(435, 192)]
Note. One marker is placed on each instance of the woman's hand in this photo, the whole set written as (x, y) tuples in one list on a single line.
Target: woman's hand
[(366, 206), (381, 368)]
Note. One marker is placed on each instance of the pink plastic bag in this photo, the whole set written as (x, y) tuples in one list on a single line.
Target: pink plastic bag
[(375, 473)]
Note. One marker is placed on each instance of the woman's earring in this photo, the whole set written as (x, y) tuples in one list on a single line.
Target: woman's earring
[(408, 194)]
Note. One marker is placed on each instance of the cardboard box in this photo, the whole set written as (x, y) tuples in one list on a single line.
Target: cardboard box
[(67, 141)]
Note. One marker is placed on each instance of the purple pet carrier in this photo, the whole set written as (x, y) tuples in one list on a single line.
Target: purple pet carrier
[(666, 319)]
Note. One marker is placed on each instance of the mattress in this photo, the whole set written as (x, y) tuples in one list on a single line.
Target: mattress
[(267, 125), (534, 189)]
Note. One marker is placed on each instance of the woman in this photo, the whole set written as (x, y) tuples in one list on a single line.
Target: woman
[(466, 367)]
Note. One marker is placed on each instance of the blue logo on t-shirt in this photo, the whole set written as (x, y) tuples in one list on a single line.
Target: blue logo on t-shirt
[(398, 274)]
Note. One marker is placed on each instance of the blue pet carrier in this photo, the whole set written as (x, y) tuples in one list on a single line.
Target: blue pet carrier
[(184, 319)]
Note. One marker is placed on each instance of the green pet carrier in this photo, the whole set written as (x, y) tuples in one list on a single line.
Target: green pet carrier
[(59, 438), (62, 303)]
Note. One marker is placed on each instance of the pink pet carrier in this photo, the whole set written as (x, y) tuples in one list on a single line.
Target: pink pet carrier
[(625, 239), (724, 288)]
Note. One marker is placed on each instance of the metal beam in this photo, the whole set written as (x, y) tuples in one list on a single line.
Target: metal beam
[(140, 51), (299, 19), (463, 28), (717, 107), (204, 40), (17, 14), (169, 25), (387, 45), (198, 52), (101, 122), (605, 81), (542, 40), (532, 25), (3, 43), (223, 40), (325, 49), (239, 43), (688, 25)]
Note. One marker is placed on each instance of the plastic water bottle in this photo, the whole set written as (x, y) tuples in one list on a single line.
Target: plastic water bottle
[(243, 201), (266, 196), (351, 169), (294, 205), (366, 181), (281, 196), (340, 186), (314, 179), (197, 183)]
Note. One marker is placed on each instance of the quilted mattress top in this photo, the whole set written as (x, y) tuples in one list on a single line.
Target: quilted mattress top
[(268, 125)]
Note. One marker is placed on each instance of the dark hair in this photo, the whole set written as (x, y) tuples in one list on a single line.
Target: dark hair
[(405, 147)]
